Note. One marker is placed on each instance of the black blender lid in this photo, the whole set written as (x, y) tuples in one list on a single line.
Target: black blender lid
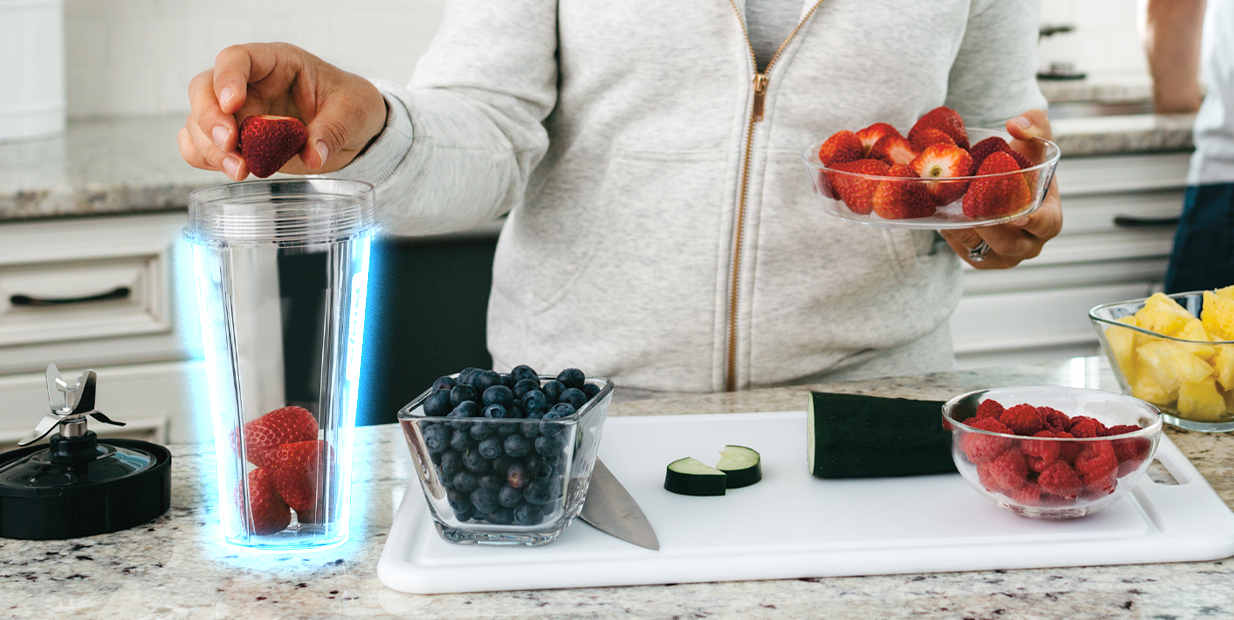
[(77, 484)]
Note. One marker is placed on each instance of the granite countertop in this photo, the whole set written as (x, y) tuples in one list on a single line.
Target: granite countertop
[(174, 567)]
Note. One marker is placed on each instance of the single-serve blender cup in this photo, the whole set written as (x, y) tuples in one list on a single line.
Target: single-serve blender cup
[(281, 270)]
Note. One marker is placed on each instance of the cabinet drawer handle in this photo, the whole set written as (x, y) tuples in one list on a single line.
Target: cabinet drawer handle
[(1131, 221), (120, 292)]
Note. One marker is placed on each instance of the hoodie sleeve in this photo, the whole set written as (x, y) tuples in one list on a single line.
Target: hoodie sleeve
[(994, 75), (462, 139)]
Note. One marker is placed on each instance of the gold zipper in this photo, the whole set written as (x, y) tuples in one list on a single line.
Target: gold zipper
[(761, 82)]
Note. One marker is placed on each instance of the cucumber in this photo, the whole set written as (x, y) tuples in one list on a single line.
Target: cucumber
[(689, 476), (741, 465), (857, 436)]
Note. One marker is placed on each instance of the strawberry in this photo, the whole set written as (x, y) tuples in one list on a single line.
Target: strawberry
[(896, 199), (299, 476), (1059, 479), (856, 191), (989, 408), (945, 120), (263, 435), (943, 161), (926, 137), (893, 149), (268, 141), (268, 513), (872, 134), (842, 146), (998, 195), (994, 144)]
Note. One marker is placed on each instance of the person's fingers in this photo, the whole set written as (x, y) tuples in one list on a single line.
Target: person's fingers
[(332, 130), (962, 241), (217, 159), (189, 152), (1029, 125), (1006, 240), (1047, 221), (212, 122)]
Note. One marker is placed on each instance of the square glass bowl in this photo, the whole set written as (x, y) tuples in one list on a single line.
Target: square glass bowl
[(538, 493), (1184, 378), (1097, 484)]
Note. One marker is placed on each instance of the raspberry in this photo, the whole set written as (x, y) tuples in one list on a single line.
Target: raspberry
[(1120, 430), (981, 448), (1059, 479), (1039, 454), (985, 473), (1054, 419), (1084, 426), (1028, 495), (1067, 450), (1131, 453), (1097, 465), (1023, 419), (1009, 470), (989, 408)]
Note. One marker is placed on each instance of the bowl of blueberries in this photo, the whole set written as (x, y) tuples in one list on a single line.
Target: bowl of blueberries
[(506, 458)]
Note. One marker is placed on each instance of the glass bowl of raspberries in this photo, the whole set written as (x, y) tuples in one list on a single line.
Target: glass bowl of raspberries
[(506, 458), (1051, 452), (940, 175)]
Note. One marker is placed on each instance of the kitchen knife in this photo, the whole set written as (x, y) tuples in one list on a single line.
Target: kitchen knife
[(610, 509)]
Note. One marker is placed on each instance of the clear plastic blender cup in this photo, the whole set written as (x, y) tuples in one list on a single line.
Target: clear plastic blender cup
[(281, 270)]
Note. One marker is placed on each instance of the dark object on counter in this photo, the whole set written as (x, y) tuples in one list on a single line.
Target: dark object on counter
[(856, 436), (79, 485)]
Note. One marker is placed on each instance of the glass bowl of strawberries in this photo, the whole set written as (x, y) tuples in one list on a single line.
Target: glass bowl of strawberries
[(1051, 452), (941, 175)]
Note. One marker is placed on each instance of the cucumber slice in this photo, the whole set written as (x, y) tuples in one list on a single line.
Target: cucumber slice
[(741, 465), (689, 476)]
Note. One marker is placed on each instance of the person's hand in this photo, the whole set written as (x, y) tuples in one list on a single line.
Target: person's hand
[(1023, 238), (343, 111)]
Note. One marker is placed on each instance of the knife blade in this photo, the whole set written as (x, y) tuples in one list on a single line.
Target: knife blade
[(610, 509)]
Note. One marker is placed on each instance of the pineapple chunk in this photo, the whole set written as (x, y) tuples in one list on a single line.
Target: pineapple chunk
[(1144, 387), (1170, 364), (1227, 292), (1218, 316), (1229, 401), (1194, 330), (1163, 315), (1121, 342), (1199, 400), (1223, 366)]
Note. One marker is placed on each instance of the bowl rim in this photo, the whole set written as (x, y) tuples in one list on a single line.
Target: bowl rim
[(1092, 315), (606, 387), (810, 157), (1151, 430)]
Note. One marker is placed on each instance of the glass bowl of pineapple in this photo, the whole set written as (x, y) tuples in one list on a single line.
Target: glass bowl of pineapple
[(1176, 352)]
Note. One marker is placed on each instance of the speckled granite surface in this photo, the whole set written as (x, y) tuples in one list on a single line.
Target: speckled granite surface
[(173, 567), (102, 167)]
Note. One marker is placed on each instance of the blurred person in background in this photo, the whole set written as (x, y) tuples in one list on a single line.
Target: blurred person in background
[(1188, 41)]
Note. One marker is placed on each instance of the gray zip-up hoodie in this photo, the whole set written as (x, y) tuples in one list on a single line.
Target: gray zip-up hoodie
[(659, 234)]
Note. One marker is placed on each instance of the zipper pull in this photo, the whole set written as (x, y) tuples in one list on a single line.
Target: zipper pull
[(760, 95)]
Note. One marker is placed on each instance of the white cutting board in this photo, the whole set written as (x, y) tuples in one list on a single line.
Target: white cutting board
[(794, 525)]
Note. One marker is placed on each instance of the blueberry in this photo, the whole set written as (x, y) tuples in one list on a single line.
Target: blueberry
[(465, 482), (490, 448), (507, 380), (535, 401), (516, 475), (459, 501), (547, 467), (438, 403), (485, 379), (549, 425), (436, 438), (517, 446), (574, 396), (485, 500), (515, 411), (465, 409), (553, 389), (480, 430), (460, 393), (495, 411), (466, 375), (503, 516), (548, 445), (435, 457), (531, 429), (528, 514), (501, 465), (538, 492), (572, 377), (561, 410), (491, 481), (505, 430), (523, 371), (475, 462), (509, 497), (443, 382), (525, 385), (459, 439), (499, 395), (591, 389), (451, 463)]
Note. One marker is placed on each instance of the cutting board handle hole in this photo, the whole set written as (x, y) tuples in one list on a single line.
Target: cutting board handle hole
[(1158, 473)]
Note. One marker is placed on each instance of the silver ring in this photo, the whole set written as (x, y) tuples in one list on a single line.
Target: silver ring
[(978, 252)]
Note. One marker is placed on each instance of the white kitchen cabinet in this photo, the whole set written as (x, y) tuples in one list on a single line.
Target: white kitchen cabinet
[(1117, 233), (109, 293)]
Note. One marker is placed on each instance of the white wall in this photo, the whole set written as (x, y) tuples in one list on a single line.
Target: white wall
[(135, 57), (1105, 40)]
